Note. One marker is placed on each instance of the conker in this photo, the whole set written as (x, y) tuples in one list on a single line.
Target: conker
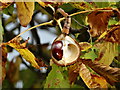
[(57, 50)]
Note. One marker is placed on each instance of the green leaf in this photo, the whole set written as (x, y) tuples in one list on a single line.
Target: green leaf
[(66, 9), (1, 31), (112, 21), (90, 55), (55, 79), (78, 21), (9, 10), (102, 4)]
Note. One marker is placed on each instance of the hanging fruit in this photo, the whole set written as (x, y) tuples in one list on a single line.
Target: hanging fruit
[(65, 50)]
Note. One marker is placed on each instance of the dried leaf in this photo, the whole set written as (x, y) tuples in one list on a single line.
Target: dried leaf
[(25, 12), (98, 22), (114, 35), (73, 72), (87, 78), (13, 71), (3, 61), (111, 75), (25, 53), (107, 52), (100, 80)]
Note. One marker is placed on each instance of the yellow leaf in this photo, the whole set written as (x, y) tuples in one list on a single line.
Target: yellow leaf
[(25, 12), (87, 78), (107, 52), (100, 80), (25, 53), (41, 3)]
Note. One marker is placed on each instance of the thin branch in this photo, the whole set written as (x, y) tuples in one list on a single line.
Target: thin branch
[(46, 23)]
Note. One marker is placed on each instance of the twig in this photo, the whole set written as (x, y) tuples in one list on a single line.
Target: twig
[(46, 23)]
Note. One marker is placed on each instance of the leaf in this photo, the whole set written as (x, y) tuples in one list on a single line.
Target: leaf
[(81, 5), (102, 4), (73, 72), (5, 4), (13, 71), (78, 21), (87, 78), (41, 3), (111, 75), (9, 10), (3, 60), (66, 5), (90, 55), (98, 21), (25, 12), (25, 53), (114, 35), (107, 52), (85, 46), (100, 80), (1, 31), (55, 79)]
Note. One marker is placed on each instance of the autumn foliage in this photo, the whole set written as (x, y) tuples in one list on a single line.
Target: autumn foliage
[(95, 27)]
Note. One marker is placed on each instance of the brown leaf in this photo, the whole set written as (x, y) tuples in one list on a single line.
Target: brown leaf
[(111, 75), (13, 71), (73, 72), (3, 61), (25, 12), (98, 22), (87, 78), (114, 35), (41, 63)]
